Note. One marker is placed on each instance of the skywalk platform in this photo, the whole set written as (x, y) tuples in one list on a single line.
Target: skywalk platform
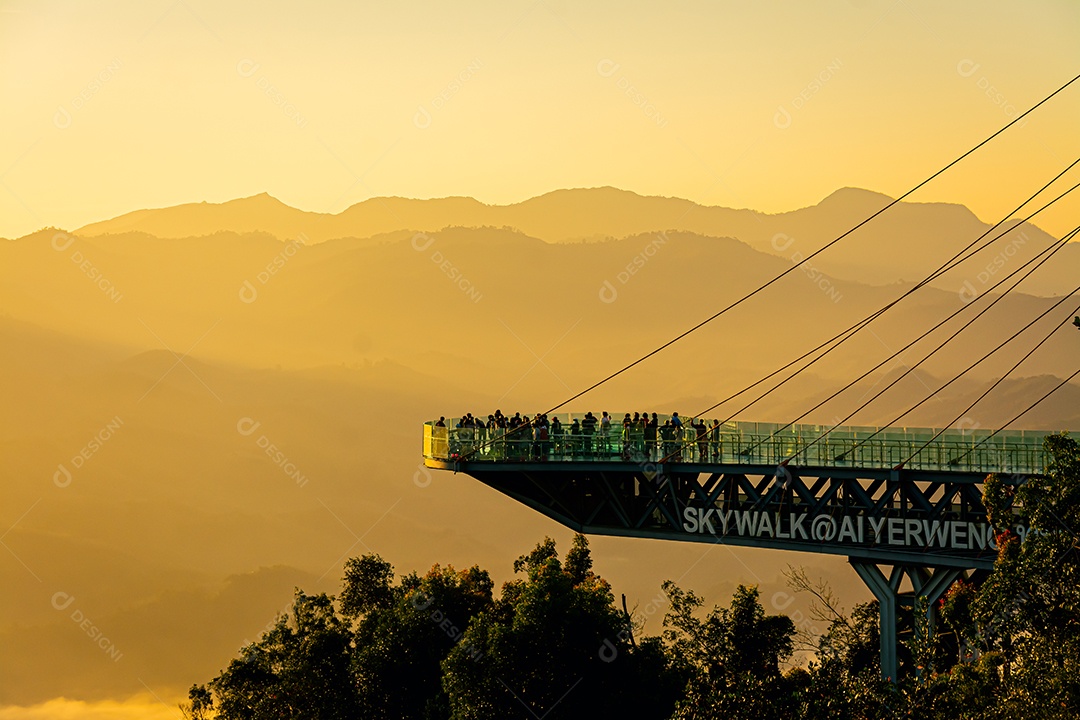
[(752, 444), (907, 513)]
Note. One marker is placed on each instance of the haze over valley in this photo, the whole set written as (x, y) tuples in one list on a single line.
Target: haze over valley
[(248, 250), (205, 421)]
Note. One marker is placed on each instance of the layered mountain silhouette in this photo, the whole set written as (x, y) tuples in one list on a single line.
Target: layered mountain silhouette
[(180, 536), (908, 235)]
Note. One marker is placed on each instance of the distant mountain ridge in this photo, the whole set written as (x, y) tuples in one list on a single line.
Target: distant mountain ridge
[(348, 298), (568, 215), (903, 244), (232, 356)]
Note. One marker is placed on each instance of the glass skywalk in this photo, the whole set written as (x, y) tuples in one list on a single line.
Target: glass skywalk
[(747, 443)]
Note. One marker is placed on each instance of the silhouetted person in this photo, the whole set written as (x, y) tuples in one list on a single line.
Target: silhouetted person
[(667, 437), (702, 431), (651, 426), (557, 435), (605, 433), (588, 430), (541, 438)]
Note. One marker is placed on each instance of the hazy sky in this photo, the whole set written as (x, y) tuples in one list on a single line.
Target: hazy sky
[(124, 105), (109, 107)]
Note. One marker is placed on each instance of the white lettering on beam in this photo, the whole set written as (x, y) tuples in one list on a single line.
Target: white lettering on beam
[(887, 531)]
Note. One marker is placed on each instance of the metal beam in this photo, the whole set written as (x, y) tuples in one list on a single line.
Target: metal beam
[(933, 587), (856, 503), (885, 593), (930, 583), (798, 512)]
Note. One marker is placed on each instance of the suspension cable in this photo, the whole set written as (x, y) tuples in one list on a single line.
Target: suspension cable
[(1048, 252), (1019, 415), (842, 337), (1045, 255), (812, 255), (990, 389), (802, 262), (950, 382)]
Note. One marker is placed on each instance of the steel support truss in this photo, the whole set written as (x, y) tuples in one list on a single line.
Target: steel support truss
[(929, 527)]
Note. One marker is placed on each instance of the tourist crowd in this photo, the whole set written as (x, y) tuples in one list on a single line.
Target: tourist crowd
[(641, 437)]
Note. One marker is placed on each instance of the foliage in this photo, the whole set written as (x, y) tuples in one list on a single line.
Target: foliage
[(734, 654), (402, 638), (298, 669), (441, 646), (1026, 616), (843, 681), (554, 645)]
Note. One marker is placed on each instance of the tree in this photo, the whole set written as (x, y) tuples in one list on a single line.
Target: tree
[(298, 669), (842, 679), (367, 586), (734, 655), (1024, 622), (555, 646), (404, 632), (378, 658)]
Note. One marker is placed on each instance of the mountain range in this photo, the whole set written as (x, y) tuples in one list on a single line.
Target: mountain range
[(906, 235), (180, 537)]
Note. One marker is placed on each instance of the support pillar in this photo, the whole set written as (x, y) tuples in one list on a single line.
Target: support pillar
[(885, 590), (926, 582), (932, 587)]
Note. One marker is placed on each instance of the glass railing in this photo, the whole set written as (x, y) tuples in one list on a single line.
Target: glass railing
[(745, 443)]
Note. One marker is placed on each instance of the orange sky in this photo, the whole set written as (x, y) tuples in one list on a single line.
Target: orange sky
[(112, 107), (771, 106)]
